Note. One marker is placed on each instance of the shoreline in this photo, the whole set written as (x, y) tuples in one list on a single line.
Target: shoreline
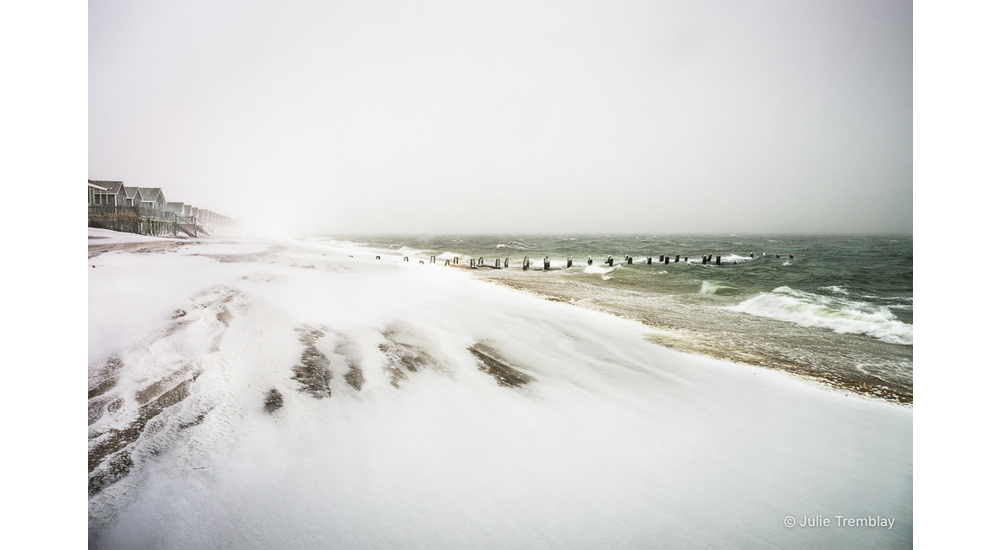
[(859, 388), (700, 338), (143, 244)]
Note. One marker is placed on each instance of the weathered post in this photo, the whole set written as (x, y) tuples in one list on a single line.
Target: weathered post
[(498, 263), (590, 261), (678, 258), (545, 263), (378, 257), (777, 256), (666, 260), (704, 260), (406, 258), (526, 263), (421, 262), (569, 262), (472, 263), (718, 259), (628, 259), (480, 260), (661, 257), (610, 261), (447, 263), (649, 260), (505, 260), (751, 255), (455, 261), (791, 257), (433, 259)]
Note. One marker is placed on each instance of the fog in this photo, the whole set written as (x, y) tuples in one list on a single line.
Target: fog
[(557, 117)]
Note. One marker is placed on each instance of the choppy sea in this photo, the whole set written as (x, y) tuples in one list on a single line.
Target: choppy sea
[(834, 309)]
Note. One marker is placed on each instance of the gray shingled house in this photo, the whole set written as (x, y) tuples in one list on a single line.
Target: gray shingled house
[(152, 198), (112, 195)]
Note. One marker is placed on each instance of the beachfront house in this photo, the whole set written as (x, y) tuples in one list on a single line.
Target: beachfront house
[(106, 193), (151, 198), (131, 196), (94, 191)]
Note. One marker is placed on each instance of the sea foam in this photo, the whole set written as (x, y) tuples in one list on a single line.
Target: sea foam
[(837, 314)]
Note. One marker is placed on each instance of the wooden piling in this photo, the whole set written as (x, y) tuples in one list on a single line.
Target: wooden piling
[(545, 263), (498, 263), (447, 263), (455, 261), (433, 259), (378, 257), (590, 261), (610, 261), (406, 258), (649, 260), (666, 260), (628, 259), (480, 260), (718, 259), (569, 262), (791, 257), (678, 258), (526, 263), (661, 257), (472, 263), (505, 260)]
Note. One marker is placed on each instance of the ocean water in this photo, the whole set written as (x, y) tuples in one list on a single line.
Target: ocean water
[(834, 309)]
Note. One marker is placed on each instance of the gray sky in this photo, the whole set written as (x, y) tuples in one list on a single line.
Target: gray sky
[(729, 116)]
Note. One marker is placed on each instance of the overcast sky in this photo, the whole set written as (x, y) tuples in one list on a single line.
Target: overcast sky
[(561, 117)]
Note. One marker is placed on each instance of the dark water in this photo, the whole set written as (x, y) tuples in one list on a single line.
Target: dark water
[(835, 309)]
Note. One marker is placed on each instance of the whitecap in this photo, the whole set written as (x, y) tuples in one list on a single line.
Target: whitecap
[(715, 287), (837, 314), (599, 269)]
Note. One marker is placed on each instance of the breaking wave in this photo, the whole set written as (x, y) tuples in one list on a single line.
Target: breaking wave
[(837, 314), (715, 287)]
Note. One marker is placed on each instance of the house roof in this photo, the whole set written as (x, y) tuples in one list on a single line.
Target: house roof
[(175, 206), (149, 194), (131, 192), (113, 187)]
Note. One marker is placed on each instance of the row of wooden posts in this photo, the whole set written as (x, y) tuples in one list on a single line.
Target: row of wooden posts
[(705, 260)]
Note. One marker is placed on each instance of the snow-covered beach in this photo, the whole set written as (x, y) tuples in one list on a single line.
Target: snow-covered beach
[(257, 393)]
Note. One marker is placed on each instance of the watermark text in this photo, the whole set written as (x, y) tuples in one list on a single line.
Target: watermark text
[(839, 521)]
